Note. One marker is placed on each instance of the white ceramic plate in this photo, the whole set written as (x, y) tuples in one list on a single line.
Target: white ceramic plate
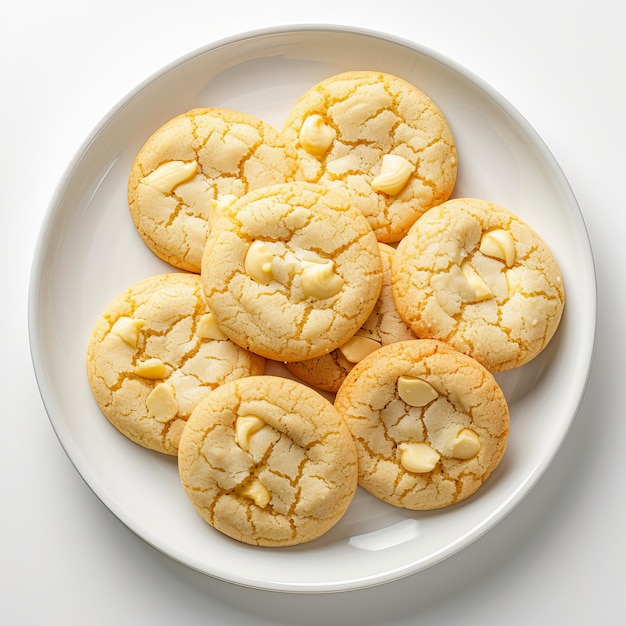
[(89, 251)]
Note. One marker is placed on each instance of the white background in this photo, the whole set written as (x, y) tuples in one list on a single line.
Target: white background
[(556, 559)]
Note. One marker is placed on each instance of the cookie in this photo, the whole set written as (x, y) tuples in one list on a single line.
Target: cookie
[(194, 161), (473, 274), (382, 327), (154, 353), (291, 271), (380, 137), (268, 461), (430, 424)]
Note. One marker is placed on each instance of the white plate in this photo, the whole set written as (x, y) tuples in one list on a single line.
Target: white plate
[(89, 251)]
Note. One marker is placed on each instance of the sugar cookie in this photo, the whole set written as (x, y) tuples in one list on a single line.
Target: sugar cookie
[(430, 424), (476, 276), (291, 271), (382, 138), (154, 352), (382, 327), (195, 160), (268, 461)]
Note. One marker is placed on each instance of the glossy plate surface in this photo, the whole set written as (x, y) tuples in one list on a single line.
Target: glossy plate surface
[(89, 251)]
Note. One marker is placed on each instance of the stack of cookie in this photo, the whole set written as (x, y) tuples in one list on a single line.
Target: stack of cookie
[(334, 249)]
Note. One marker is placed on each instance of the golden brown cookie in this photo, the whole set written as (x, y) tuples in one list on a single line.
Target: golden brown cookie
[(381, 138), (430, 424), (268, 461), (382, 327), (473, 274), (193, 162), (154, 353), (291, 271)]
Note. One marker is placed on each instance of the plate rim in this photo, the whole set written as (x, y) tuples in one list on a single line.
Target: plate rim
[(54, 208)]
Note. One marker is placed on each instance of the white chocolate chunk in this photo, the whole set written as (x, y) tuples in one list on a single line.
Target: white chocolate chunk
[(415, 391), (514, 282), (128, 329), (343, 165), (480, 289), (466, 445), (258, 262), (257, 492), (169, 175), (499, 244), (245, 427), (208, 328), (162, 403), (152, 368), (219, 206), (418, 458), (357, 348), (316, 136), (319, 279), (395, 172)]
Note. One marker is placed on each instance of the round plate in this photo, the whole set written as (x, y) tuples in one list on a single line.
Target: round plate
[(89, 251)]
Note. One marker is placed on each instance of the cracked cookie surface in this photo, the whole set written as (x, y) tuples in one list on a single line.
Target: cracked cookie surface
[(154, 353), (382, 327), (473, 274), (189, 164), (291, 271), (268, 461), (380, 137), (430, 424)]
